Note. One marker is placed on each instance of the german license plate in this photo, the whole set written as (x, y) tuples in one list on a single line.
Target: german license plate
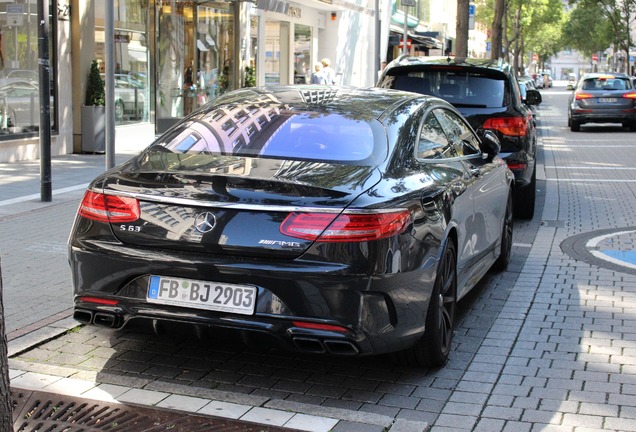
[(608, 100), (240, 299)]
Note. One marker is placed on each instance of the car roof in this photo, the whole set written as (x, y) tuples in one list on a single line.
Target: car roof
[(366, 103), (411, 61)]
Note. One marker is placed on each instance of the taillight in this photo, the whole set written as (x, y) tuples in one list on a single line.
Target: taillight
[(109, 208), (511, 126), (630, 95), (346, 227), (580, 96)]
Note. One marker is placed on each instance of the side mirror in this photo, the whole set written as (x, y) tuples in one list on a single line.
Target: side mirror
[(490, 143), (533, 97)]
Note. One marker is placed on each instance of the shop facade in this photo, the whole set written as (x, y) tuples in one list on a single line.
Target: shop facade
[(170, 57)]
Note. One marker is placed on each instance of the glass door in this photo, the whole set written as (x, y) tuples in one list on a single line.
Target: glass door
[(276, 52), (302, 54), (176, 74), (215, 50)]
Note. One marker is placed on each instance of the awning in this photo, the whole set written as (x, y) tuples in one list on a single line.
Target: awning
[(416, 39), (428, 41)]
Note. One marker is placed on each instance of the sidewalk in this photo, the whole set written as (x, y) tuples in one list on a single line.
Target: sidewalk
[(34, 233)]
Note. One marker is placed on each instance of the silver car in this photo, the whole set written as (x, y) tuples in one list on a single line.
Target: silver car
[(603, 98)]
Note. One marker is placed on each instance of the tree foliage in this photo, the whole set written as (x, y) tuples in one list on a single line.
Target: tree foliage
[(528, 26), (595, 25), (585, 32)]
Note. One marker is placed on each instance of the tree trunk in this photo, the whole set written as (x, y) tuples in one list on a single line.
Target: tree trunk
[(6, 415), (497, 30), (461, 38)]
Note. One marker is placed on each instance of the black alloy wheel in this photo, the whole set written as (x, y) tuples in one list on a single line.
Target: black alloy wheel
[(434, 347), (506, 238)]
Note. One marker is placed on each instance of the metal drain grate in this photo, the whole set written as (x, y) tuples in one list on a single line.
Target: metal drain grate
[(35, 411)]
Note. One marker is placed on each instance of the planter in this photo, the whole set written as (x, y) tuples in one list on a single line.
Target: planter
[(93, 129)]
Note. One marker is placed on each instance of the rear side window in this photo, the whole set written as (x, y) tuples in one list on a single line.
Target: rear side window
[(460, 87)]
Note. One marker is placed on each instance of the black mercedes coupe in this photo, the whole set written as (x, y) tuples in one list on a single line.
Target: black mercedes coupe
[(330, 220)]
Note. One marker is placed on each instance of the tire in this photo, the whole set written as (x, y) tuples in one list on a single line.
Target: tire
[(632, 127), (434, 347), (575, 126), (526, 197), (506, 238), (569, 121)]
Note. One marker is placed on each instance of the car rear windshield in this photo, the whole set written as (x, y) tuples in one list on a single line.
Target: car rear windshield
[(460, 87), (606, 83), (282, 134)]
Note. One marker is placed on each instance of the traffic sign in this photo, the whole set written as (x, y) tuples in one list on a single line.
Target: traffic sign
[(535, 57), (594, 57), (15, 14)]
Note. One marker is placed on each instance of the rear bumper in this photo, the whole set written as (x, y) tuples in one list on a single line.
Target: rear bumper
[(603, 116), (373, 314)]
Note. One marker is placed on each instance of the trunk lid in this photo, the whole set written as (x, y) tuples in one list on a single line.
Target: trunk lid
[(236, 207)]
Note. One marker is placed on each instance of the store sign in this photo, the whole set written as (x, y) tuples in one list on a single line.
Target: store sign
[(294, 12), (63, 10)]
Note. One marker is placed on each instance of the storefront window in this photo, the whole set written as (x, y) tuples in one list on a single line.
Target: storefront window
[(132, 92), (215, 50), (19, 70), (272, 52), (302, 54), (195, 54)]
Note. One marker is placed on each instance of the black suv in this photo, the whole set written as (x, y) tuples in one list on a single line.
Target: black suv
[(487, 93)]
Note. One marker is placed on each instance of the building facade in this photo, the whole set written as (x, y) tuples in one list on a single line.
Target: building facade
[(172, 56)]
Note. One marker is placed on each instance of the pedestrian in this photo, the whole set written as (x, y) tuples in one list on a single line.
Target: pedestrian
[(318, 77), (330, 74)]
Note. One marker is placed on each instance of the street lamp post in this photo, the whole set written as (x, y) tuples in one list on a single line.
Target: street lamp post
[(406, 4)]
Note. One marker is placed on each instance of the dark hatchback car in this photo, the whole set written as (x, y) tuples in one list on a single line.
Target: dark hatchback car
[(333, 220), (487, 94), (603, 98)]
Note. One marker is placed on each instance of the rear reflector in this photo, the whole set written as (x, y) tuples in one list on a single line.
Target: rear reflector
[(346, 227), (517, 166), (511, 126), (109, 208), (98, 300), (318, 326)]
